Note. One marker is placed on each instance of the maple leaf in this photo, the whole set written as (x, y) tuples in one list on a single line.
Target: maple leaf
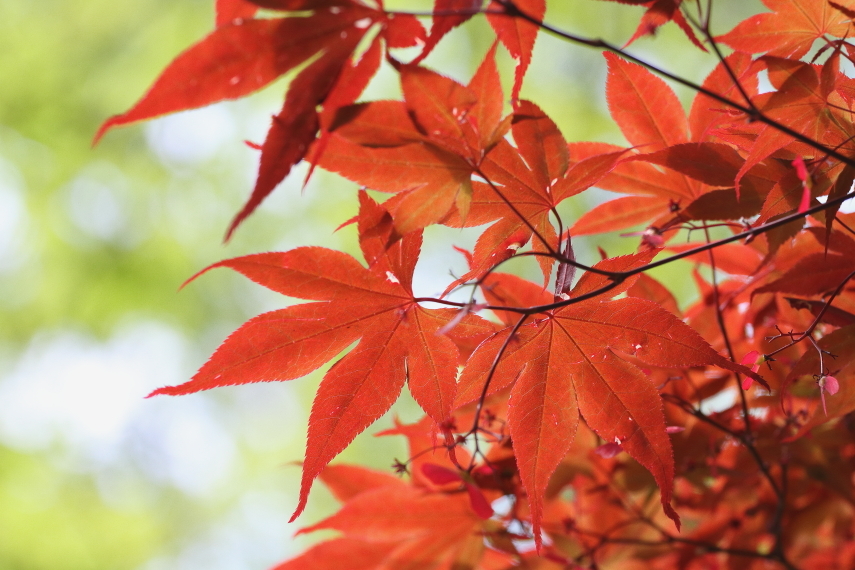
[(243, 55), (703, 180), (658, 13), (828, 314), (517, 34), (651, 119), (706, 114), (417, 528), (523, 187), (377, 533), (400, 341), (646, 287), (732, 259), (360, 555), (239, 58), (486, 115), (718, 165), (800, 103), (440, 475), (618, 214), (644, 107), (425, 148), (347, 481), (841, 187), (228, 11), (448, 14), (503, 289), (790, 29), (569, 363), (400, 30), (814, 274), (352, 80)]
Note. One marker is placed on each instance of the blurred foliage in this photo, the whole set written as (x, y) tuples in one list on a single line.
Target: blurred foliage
[(93, 241)]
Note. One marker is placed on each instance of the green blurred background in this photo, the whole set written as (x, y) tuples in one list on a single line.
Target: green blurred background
[(94, 244)]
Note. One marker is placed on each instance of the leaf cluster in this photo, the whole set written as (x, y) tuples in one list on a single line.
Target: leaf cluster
[(583, 420)]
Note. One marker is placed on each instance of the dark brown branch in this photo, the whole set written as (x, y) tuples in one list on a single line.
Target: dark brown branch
[(752, 113)]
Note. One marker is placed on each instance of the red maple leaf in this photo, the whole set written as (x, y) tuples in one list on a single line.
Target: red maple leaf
[(399, 526), (448, 14), (243, 54), (791, 28), (572, 362), (228, 11), (517, 34), (522, 187), (658, 13), (703, 179), (389, 523), (423, 149), (400, 341)]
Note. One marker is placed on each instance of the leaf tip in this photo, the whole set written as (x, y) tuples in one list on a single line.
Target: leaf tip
[(236, 221), (301, 503), (166, 390), (205, 270), (672, 514), (102, 130)]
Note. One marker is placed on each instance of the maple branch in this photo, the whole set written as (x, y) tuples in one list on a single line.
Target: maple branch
[(750, 233), (513, 208), (816, 320), (846, 227), (483, 397), (777, 519), (619, 277), (616, 277), (719, 317), (669, 540), (704, 28), (690, 227), (753, 114), (457, 12), (697, 413), (692, 411), (603, 538), (777, 552), (780, 492), (560, 257)]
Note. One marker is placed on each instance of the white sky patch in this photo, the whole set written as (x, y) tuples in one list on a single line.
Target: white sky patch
[(265, 414), (183, 443), (502, 505), (97, 202), (84, 401), (14, 218), (191, 137), (763, 83), (846, 207), (722, 401), (255, 534)]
